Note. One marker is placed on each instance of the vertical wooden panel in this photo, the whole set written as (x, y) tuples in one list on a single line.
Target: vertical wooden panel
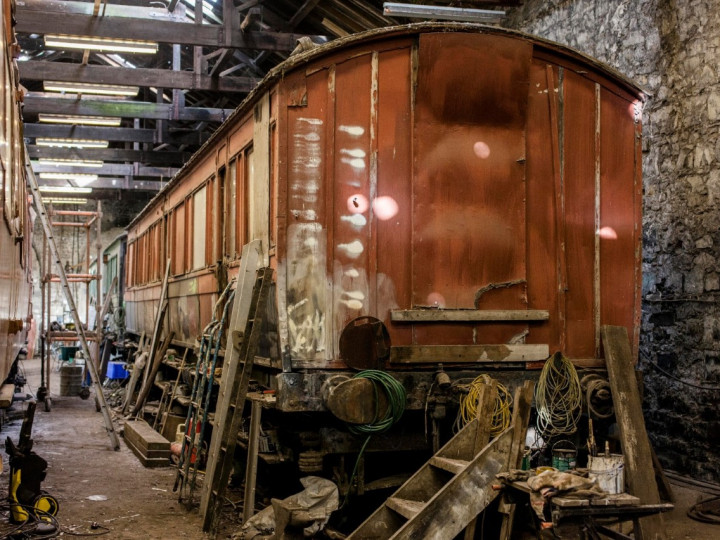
[(306, 282), (579, 157), (617, 212), (469, 195), (352, 191), (394, 187), (542, 253)]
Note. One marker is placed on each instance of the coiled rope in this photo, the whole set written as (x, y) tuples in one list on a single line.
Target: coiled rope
[(468, 410), (598, 396), (558, 398)]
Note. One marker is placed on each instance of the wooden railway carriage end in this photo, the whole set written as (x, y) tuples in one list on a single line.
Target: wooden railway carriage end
[(478, 191)]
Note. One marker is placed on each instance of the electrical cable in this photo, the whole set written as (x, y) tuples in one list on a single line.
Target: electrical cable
[(397, 399), (705, 511), (468, 409), (677, 379), (558, 398)]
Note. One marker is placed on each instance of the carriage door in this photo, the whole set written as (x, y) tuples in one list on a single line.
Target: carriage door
[(469, 214)]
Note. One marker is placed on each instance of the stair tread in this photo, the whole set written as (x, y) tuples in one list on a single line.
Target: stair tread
[(405, 507), (448, 464)]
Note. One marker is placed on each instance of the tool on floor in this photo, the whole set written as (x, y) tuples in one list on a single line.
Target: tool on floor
[(27, 471), (97, 382)]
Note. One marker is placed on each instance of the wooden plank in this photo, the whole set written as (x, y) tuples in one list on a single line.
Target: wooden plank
[(126, 109), (7, 391), (407, 509), (484, 416), (207, 35), (163, 78), (468, 315), (639, 473), (419, 354), (148, 461), (447, 464)]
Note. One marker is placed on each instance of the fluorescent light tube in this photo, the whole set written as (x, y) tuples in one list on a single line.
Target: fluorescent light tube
[(100, 44), (79, 120), (71, 143)]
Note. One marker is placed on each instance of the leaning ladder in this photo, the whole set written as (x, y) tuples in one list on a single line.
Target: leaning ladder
[(231, 402), (73, 309)]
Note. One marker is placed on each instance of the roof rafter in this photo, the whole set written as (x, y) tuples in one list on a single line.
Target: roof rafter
[(162, 78), (112, 134), (46, 22), (109, 154), (110, 183), (126, 109)]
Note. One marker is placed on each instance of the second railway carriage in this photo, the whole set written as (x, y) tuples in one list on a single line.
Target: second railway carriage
[(15, 219), (431, 197)]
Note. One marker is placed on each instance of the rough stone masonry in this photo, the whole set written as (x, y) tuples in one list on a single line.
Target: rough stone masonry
[(671, 48)]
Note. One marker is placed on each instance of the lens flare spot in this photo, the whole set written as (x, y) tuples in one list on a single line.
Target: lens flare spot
[(436, 299), (358, 204), (608, 233), (385, 208), (481, 149)]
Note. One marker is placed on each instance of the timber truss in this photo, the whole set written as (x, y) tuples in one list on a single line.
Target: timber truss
[(209, 56)]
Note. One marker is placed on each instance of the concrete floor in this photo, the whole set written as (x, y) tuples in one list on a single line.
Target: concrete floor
[(138, 503)]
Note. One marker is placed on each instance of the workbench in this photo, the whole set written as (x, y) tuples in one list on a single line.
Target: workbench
[(590, 519)]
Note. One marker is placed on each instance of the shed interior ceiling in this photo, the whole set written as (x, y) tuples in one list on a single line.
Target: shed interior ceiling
[(209, 56)]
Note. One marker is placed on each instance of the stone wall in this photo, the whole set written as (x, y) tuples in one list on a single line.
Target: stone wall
[(670, 47)]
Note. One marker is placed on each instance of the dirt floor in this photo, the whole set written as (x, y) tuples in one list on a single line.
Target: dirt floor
[(95, 484)]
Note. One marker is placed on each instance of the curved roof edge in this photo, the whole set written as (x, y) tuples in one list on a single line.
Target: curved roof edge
[(305, 57)]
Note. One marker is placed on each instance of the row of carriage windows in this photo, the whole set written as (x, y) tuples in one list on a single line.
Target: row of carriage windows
[(210, 224)]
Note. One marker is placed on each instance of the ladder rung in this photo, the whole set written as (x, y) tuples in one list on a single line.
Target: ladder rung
[(451, 465), (406, 508)]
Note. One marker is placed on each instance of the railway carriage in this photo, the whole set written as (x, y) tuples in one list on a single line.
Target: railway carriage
[(15, 218), (433, 198)]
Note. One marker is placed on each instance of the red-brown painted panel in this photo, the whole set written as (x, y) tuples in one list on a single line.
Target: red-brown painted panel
[(617, 211), (579, 120), (392, 207), (353, 279), (542, 249), (469, 193)]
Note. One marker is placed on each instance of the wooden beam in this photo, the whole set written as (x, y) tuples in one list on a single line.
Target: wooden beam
[(108, 169), (468, 315), (111, 134), (124, 109), (33, 21), (89, 132), (109, 154), (112, 183), (162, 78), (639, 473), (456, 354)]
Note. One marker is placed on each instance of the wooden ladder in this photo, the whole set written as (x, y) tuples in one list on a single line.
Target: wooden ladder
[(454, 486), (231, 400)]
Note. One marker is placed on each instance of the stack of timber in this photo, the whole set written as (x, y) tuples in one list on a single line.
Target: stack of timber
[(151, 448)]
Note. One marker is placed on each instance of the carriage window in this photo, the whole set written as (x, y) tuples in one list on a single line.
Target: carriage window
[(249, 220), (110, 274), (178, 261), (198, 232), (231, 210)]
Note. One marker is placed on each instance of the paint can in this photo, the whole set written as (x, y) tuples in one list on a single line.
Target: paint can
[(608, 471), (564, 455)]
